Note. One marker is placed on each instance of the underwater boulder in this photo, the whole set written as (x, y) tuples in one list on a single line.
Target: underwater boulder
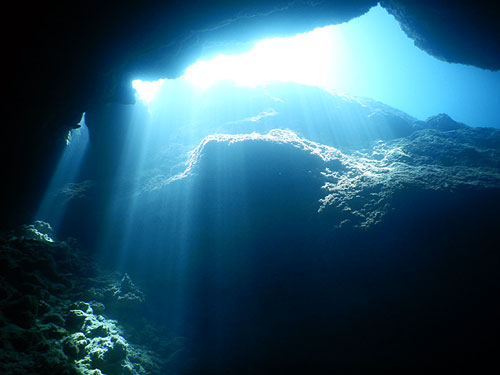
[(108, 352), (75, 345), (54, 318), (443, 122), (76, 320), (122, 298)]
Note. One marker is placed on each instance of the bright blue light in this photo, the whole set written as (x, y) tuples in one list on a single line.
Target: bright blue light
[(369, 56)]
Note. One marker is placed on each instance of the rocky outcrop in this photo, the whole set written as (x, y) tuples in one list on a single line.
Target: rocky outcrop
[(45, 326), (446, 32), (361, 185), (123, 298), (428, 160), (96, 345)]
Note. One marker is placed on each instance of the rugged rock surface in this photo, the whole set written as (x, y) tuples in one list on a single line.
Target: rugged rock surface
[(47, 328), (360, 185), (439, 28)]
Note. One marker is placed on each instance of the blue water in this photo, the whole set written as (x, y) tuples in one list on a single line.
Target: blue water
[(385, 65)]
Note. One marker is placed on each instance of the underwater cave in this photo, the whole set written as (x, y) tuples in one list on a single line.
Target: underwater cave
[(251, 187)]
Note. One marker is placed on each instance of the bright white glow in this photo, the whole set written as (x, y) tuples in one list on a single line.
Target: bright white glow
[(305, 58), (146, 91), (314, 58)]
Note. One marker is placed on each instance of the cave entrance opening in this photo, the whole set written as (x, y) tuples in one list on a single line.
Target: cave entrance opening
[(369, 56)]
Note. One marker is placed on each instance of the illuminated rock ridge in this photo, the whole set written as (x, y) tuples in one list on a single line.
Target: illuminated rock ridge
[(429, 159), (366, 151)]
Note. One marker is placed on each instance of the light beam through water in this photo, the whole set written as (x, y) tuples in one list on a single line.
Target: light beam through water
[(62, 187)]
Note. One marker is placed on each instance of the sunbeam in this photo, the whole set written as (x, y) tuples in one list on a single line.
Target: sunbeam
[(63, 186)]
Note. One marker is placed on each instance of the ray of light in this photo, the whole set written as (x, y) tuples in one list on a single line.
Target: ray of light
[(63, 185)]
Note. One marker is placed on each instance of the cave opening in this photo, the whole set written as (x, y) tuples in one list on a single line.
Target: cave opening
[(368, 57)]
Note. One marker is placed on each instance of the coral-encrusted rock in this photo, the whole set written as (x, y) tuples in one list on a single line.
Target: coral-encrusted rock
[(99, 330), (39, 230), (57, 319), (75, 345), (99, 347), (45, 327), (75, 320), (84, 306), (53, 331), (127, 295), (108, 353), (98, 307), (119, 298)]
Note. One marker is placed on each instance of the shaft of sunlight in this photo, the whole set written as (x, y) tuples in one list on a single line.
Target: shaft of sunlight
[(63, 186)]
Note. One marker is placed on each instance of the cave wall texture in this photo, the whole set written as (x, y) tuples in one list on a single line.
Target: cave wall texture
[(63, 59)]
